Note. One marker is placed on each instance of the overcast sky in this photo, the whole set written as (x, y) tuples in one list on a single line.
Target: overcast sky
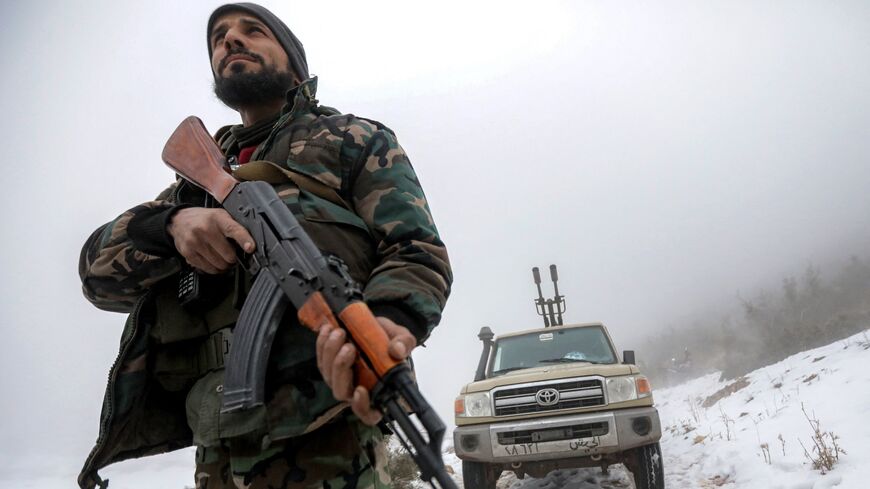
[(664, 155)]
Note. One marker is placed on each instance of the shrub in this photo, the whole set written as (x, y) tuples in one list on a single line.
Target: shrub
[(825, 452), (403, 470)]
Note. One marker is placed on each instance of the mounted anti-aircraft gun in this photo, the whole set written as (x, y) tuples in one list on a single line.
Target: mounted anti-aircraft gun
[(552, 398), (545, 307), (552, 317)]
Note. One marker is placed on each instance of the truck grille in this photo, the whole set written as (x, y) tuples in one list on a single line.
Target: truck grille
[(586, 430), (573, 394)]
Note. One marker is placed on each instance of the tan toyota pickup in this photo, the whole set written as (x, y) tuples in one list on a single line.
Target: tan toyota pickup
[(554, 398)]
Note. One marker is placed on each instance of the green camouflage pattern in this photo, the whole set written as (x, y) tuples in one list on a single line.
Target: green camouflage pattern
[(363, 161), (114, 273), (387, 238), (344, 454)]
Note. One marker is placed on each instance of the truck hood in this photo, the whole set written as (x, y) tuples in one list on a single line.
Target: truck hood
[(550, 372)]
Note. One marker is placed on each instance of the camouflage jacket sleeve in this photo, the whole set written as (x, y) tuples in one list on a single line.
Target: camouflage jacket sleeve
[(116, 266), (413, 272)]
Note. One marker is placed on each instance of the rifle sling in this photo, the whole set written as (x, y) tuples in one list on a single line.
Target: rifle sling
[(272, 173)]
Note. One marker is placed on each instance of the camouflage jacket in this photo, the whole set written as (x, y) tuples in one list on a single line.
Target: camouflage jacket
[(384, 232)]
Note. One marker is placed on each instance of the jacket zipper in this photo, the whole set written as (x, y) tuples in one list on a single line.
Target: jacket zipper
[(110, 388)]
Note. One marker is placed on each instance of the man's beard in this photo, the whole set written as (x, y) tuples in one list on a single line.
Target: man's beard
[(252, 89)]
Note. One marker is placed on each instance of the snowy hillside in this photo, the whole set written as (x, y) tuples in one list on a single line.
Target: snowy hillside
[(750, 433), (741, 434), (755, 437)]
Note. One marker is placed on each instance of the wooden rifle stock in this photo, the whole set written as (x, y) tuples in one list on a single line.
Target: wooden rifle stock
[(194, 155), (316, 312)]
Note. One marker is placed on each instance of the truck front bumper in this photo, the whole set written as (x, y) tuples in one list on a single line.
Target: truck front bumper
[(558, 437)]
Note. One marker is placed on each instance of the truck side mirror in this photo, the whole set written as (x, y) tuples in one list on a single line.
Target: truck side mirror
[(628, 357)]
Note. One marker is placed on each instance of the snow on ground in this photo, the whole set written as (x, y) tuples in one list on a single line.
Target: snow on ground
[(738, 434), (617, 478), (755, 437), (750, 434), (168, 471)]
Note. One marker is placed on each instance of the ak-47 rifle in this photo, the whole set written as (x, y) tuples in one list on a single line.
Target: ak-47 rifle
[(290, 269)]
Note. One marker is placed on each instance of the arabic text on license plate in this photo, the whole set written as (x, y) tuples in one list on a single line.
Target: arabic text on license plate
[(585, 444)]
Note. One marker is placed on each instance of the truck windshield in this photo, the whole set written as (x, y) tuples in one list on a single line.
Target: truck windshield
[(554, 346)]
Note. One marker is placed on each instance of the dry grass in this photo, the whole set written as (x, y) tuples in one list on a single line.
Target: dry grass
[(727, 421), (765, 452), (825, 451)]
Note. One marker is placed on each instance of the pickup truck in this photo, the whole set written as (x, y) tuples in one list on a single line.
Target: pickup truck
[(553, 398)]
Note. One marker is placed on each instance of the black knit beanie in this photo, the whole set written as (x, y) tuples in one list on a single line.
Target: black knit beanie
[(288, 41)]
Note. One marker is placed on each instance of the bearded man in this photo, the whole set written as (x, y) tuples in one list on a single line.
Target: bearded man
[(354, 191)]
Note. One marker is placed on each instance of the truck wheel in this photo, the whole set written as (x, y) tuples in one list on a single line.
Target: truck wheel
[(476, 475), (647, 467)]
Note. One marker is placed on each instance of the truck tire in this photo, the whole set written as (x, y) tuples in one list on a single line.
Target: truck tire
[(647, 467), (477, 475)]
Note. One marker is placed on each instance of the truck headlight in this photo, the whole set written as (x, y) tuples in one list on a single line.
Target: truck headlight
[(621, 389), (476, 404), (627, 388)]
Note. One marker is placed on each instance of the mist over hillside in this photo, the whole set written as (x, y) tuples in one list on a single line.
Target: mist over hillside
[(810, 308)]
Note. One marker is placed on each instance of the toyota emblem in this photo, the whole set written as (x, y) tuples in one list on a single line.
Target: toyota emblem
[(547, 397)]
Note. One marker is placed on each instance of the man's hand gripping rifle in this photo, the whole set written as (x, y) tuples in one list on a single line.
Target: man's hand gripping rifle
[(290, 269)]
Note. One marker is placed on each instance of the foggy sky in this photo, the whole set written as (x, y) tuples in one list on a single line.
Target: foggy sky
[(663, 156)]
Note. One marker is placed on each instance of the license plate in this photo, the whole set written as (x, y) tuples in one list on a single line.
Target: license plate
[(578, 446), (550, 435), (554, 438)]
